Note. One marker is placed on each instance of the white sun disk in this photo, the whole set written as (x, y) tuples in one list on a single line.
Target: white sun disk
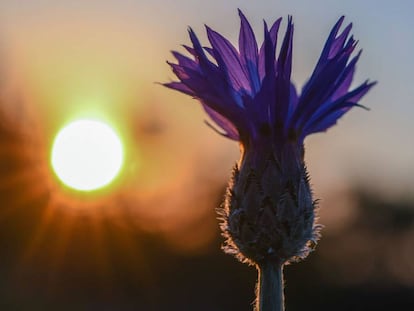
[(87, 155)]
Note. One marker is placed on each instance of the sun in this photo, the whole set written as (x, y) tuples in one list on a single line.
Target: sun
[(87, 155)]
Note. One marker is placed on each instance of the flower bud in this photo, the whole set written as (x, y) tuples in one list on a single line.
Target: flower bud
[(268, 213)]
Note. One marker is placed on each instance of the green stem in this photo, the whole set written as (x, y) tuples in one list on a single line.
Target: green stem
[(270, 287)]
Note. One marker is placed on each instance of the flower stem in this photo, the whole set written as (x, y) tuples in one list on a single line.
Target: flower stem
[(270, 287)]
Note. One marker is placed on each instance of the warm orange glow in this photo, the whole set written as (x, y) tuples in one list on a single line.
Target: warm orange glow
[(148, 200), (92, 67)]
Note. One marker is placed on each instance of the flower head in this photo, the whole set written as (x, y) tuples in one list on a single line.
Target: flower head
[(248, 93)]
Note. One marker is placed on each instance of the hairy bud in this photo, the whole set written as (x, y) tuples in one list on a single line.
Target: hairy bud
[(268, 213)]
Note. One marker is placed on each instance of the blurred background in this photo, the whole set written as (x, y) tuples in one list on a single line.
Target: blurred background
[(151, 241)]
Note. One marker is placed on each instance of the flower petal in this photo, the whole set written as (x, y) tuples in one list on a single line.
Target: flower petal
[(323, 117), (328, 44), (339, 42), (249, 52), (228, 59), (229, 128), (280, 107), (178, 86), (344, 82), (185, 61), (271, 36)]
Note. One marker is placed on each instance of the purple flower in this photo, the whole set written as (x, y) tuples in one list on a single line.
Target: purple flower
[(248, 93)]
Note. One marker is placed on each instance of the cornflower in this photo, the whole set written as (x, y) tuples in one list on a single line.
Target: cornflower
[(268, 216)]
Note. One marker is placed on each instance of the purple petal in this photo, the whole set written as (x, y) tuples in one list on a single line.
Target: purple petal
[(330, 119), (320, 87), (328, 44), (285, 55), (210, 69), (179, 71), (267, 94), (248, 52), (346, 79), (326, 123), (185, 61), (180, 87), (271, 37), (209, 50), (280, 107), (344, 103), (293, 103), (361, 93), (228, 127), (227, 56), (338, 43), (189, 50), (198, 51)]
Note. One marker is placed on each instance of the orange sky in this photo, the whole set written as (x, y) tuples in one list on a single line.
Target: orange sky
[(70, 59)]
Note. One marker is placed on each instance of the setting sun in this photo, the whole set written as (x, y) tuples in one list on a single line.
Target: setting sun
[(87, 155)]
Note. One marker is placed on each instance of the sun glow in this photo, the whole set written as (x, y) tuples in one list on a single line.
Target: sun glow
[(87, 155)]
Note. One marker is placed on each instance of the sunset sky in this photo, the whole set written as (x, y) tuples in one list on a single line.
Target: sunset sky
[(71, 58), (65, 60)]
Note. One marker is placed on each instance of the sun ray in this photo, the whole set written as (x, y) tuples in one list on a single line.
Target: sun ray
[(99, 247), (63, 233), (40, 233)]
